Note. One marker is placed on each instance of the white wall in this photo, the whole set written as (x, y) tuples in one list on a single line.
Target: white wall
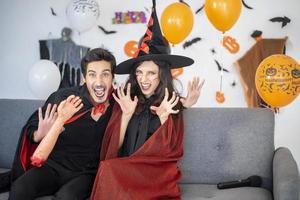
[(23, 23)]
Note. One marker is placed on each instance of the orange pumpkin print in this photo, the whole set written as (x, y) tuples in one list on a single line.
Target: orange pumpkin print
[(220, 98), (130, 48), (230, 44), (176, 72)]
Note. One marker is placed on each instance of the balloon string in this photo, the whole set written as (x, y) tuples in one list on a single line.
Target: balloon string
[(50, 43), (80, 49), (221, 74), (221, 80)]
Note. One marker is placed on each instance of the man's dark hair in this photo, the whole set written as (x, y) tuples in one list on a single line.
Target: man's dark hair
[(98, 54)]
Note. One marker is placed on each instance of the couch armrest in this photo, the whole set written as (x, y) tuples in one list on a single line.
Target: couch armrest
[(286, 183)]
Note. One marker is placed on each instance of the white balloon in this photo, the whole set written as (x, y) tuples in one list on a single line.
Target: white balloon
[(82, 14), (44, 78)]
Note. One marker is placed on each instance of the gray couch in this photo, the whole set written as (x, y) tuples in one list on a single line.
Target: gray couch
[(221, 144)]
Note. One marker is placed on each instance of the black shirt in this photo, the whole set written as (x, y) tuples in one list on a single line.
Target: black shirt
[(78, 146), (140, 128)]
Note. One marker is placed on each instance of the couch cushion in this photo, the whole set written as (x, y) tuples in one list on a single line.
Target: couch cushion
[(4, 196), (14, 114), (204, 192), (226, 144)]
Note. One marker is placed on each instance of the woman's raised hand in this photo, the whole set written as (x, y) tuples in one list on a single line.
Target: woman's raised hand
[(166, 107), (125, 101), (193, 92)]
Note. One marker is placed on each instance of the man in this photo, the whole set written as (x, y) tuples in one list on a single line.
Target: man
[(68, 170)]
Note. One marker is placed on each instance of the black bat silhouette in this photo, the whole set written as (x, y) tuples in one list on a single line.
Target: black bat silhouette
[(284, 20), (256, 34), (200, 9), (105, 31), (52, 12), (246, 5), (213, 51), (146, 9), (233, 84), (190, 42), (220, 67), (181, 1)]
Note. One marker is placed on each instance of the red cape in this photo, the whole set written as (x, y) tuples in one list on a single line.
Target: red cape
[(150, 173)]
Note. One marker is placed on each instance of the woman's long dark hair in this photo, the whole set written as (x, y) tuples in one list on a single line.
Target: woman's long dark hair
[(166, 81)]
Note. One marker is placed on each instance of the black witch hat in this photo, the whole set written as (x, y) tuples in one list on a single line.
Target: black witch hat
[(153, 47)]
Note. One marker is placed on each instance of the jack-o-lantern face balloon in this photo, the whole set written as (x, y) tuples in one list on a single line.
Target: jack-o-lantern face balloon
[(296, 73), (271, 71), (277, 80)]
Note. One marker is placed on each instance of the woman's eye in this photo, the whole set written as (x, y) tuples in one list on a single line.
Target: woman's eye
[(138, 73)]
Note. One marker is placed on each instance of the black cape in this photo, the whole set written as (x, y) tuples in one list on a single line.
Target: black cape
[(26, 146)]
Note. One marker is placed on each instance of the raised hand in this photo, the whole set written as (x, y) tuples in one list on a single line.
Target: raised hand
[(166, 107), (67, 108), (45, 122), (124, 100), (194, 90)]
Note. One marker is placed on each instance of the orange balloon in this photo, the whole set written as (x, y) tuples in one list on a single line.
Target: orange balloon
[(223, 13), (130, 48), (177, 22), (277, 80)]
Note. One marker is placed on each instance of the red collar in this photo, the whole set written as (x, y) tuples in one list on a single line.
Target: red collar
[(100, 108)]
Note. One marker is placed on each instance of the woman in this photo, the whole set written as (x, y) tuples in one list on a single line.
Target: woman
[(143, 140), (148, 102)]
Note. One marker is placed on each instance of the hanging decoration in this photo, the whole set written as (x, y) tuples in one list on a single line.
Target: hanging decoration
[(191, 42), (106, 31), (220, 68), (233, 84), (220, 97), (248, 63), (283, 20), (231, 44), (67, 55), (177, 72), (130, 48), (257, 35), (130, 17), (82, 14), (200, 9), (53, 12), (244, 4)]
